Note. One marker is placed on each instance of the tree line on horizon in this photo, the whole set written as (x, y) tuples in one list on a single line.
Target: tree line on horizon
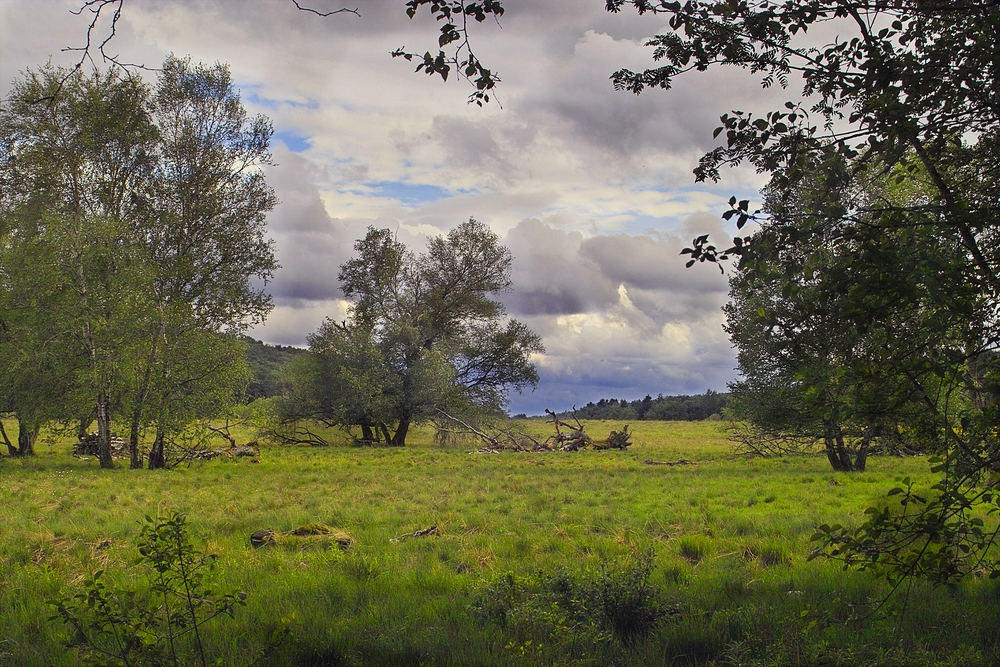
[(677, 407)]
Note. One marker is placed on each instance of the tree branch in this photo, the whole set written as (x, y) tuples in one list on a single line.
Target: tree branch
[(342, 10)]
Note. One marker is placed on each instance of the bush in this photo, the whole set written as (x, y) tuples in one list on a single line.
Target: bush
[(150, 626), (615, 603)]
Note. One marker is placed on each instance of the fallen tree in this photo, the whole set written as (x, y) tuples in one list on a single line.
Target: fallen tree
[(504, 436)]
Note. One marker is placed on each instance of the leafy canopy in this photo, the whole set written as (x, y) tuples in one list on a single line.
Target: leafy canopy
[(425, 333)]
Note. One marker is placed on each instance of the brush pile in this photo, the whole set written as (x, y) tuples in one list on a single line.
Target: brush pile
[(567, 437), (88, 446)]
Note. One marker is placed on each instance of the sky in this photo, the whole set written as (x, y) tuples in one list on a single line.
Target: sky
[(591, 188)]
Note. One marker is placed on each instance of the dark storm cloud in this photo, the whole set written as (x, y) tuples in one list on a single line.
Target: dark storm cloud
[(550, 275), (557, 272)]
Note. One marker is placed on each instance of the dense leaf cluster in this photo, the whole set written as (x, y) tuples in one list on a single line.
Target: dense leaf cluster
[(132, 249), (426, 333)]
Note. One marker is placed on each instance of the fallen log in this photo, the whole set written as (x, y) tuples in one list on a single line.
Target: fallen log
[(679, 462), (423, 532), (89, 446), (616, 440), (266, 537), (250, 450), (567, 438)]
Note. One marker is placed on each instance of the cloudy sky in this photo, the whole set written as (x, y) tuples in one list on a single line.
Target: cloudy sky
[(590, 188)]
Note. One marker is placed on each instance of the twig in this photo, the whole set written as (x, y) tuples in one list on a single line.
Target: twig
[(342, 10)]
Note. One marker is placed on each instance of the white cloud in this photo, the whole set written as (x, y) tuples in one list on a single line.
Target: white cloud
[(592, 189)]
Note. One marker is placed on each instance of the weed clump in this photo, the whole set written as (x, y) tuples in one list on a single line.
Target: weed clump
[(578, 612), (692, 548)]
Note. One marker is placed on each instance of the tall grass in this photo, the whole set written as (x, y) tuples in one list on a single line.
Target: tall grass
[(726, 540)]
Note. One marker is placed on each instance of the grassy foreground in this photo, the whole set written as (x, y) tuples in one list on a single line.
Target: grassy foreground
[(540, 559)]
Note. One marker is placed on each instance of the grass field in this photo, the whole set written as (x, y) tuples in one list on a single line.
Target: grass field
[(540, 558)]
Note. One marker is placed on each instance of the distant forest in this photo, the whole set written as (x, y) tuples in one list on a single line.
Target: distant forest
[(266, 362), (668, 408)]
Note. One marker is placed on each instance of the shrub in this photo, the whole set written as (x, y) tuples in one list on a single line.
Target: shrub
[(617, 602), (149, 626)]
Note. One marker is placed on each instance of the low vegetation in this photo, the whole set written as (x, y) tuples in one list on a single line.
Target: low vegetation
[(592, 557)]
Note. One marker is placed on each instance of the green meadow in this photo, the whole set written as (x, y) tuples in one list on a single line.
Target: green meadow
[(592, 557)]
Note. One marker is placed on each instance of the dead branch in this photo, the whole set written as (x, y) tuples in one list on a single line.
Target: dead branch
[(568, 437), (223, 432), (423, 532), (572, 441), (111, 11), (749, 440), (505, 437), (616, 440), (294, 433)]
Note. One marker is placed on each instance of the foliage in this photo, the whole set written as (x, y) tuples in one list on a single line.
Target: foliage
[(68, 171), (823, 316), (899, 289), (425, 333), (136, 627), (453, 17), (591, 609), (266, 364), (133, 247)]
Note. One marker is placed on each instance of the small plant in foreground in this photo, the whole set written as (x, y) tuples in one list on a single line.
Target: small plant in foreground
[(618, 602), (132, 627)]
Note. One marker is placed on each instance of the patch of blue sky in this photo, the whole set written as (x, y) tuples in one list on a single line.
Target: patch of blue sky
[(641, 225), (295, 142), (251, 95), (704, 192), (408, 193)]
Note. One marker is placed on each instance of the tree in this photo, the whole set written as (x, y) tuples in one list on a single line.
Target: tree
[(343, 381), (425, 333), (907, 89), (134, 226), (207, 239), (73, 174), (822, 313)]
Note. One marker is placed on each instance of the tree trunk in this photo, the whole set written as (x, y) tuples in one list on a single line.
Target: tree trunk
[(386, 438), (861, 458), (104, 431), (839, 454), (157, 459), (367, 435), (133, 440), (6, 440), (399, 439), (26, 436), (135, 458), (834, 448), (842, 452), (81, 431)]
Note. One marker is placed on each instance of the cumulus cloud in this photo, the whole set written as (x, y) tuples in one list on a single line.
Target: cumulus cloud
[(620, 315), (591, 188)]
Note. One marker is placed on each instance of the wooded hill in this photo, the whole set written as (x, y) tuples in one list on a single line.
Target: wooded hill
[(266, 362), (665, 408)]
